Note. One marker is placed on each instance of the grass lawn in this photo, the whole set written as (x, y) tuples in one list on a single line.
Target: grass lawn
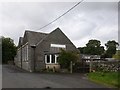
[(106, 78)]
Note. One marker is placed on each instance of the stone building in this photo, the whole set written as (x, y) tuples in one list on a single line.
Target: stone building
[(37, 51)]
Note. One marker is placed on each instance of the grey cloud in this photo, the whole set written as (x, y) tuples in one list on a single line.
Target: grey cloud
[(80, 24)]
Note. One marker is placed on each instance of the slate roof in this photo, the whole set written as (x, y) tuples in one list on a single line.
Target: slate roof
[(35, 37), (32, 37), (56, 34)]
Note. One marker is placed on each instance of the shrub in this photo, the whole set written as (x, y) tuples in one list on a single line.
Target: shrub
[(66, 57)]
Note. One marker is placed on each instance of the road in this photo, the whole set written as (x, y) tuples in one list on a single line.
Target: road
[(13, 77)]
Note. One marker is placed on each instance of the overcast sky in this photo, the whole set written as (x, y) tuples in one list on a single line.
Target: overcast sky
[(89, 20)]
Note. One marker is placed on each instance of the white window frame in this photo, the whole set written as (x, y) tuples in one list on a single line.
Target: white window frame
[(45, 58), (50, 59), (56, 55), (56, 58)]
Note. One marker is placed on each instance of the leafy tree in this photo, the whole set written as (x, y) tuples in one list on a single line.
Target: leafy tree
[(111, 48), (117, 55), (93, 47), (81, 49), (8, 50), (66, 57), (93, 43)]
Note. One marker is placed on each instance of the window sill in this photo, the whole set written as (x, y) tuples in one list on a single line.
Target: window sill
[(51, 63)]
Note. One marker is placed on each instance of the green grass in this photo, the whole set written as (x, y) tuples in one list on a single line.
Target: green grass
[(106, 78)]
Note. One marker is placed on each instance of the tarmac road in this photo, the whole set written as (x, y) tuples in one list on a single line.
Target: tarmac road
[(13, 77)]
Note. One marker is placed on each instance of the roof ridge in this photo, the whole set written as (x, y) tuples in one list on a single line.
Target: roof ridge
[(35, 32)]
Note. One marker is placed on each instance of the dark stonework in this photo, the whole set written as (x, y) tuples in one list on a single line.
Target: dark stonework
[(39, 45)]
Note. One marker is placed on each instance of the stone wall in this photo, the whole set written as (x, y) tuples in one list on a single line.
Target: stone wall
[(106, 66)]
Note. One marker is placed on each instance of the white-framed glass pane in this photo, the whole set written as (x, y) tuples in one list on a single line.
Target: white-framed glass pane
[(53, 58), (48, 59)]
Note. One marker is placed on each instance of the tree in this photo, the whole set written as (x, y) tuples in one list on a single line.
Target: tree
[(81, 49), (117, 55), (66, 57), (93, 47), (111, 48), (8, 50)]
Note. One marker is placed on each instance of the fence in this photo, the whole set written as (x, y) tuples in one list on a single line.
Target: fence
[(104, 66), (81, 67)]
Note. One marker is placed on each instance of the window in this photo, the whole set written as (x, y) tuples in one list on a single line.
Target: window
[(48, 58), (53, 58), (22, 54), (56, 58), (58, 45), (26, 52)]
